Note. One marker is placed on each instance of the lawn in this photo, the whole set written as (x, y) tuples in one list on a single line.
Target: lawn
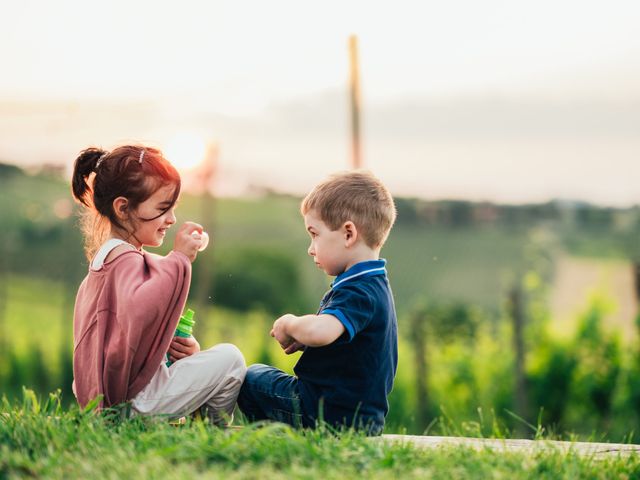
[(41, 439)]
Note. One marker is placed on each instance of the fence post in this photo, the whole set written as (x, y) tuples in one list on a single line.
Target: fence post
[(4, 300), (517, 318), (419, 339), (636, 284)]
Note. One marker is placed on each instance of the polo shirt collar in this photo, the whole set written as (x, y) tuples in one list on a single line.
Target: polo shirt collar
[(361, 270)]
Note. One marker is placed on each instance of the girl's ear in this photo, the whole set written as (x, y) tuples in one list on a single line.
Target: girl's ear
[(350, 233), (121, 208)]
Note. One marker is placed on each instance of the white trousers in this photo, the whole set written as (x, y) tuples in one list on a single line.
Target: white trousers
[(210, 379)]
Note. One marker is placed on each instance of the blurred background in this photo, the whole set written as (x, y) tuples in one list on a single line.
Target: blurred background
[(506, 131)]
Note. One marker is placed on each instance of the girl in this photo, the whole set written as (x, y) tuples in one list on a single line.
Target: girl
[(129, 304)]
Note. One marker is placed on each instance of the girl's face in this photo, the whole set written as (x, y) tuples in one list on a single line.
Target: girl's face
[(152, 232)]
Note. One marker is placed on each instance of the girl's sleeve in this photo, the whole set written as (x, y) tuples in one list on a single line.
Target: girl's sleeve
[(155, 289)]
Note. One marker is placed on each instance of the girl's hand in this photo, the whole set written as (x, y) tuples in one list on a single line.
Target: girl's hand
[(185, 242), (182, 347)]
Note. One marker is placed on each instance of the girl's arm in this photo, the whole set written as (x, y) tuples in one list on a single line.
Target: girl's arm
[(155, 285), (151, 291)]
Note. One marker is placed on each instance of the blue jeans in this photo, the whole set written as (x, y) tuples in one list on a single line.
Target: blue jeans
[(270, 394)]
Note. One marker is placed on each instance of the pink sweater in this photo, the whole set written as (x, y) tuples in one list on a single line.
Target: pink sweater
[(125, 317)]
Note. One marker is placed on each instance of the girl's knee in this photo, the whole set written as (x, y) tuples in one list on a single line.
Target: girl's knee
[(233, 357)]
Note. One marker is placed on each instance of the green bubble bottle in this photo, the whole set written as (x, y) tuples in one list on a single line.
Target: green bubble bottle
[(185, 327)]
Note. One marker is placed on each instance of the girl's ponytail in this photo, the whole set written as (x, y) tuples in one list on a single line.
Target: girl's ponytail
[(85, 164)]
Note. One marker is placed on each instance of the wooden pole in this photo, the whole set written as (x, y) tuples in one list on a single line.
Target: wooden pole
[(354, 88), (205, 262)]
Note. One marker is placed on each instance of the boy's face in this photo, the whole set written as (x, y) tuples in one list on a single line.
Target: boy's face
[(328, 247)]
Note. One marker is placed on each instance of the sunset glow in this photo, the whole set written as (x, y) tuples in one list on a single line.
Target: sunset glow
[(185, 151)]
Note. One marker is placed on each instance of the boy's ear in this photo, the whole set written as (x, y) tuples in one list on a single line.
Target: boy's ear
[(121, 208), (350, 233)]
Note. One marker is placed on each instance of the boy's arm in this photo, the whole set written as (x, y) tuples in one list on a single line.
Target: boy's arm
[(310, 330)]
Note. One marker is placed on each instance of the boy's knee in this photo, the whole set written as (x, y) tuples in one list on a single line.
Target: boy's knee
[(253, 377), (247, 400), (255, 372)]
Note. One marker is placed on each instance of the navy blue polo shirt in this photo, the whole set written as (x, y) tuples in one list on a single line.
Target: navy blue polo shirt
[(354, 374)]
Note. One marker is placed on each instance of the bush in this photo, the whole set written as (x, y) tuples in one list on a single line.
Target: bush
[(262, 279), (550, 380)]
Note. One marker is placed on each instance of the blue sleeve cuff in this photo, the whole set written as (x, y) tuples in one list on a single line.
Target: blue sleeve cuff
[(343, 320)]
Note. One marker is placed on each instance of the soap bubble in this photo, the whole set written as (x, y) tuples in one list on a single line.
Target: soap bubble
[(203, 237)]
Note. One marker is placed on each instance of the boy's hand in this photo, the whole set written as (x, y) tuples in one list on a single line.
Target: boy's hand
[(294, 347), (182, 347), (185, 242), (279, 331)]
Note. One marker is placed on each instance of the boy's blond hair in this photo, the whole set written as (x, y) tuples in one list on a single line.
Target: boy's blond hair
[(355, 196)]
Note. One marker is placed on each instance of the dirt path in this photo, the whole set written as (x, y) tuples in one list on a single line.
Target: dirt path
[(515, 445)]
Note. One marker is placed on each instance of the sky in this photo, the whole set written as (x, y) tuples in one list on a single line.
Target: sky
[(506, 101)]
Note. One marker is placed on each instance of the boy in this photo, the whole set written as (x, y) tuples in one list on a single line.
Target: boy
[(350, 346)]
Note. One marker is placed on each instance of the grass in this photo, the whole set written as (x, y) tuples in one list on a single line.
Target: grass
[(36, 314), (41, 439)]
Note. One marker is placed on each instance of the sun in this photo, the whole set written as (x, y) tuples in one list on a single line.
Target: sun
[(185, 151)]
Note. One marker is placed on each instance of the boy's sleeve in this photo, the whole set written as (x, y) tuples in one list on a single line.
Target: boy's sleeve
[(353, 307)]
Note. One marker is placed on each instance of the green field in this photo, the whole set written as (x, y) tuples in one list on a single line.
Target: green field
[(457, 276), (440, 263)]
